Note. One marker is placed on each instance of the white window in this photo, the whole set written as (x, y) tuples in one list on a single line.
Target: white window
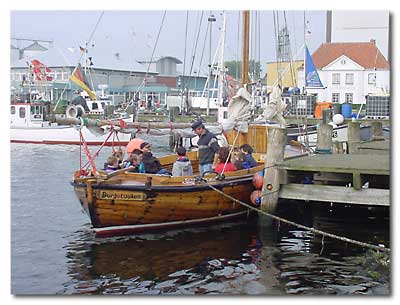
[(336, 79), (22, 112), (65, 76), (349, 97), (12, 109), (349, 78), (372, 78), (335, 97), (59, 75)]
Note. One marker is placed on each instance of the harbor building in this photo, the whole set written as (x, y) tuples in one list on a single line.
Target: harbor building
[(349, 72)]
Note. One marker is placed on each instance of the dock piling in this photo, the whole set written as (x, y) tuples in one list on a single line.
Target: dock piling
[(353, 137), (376, 131), (276, 142)]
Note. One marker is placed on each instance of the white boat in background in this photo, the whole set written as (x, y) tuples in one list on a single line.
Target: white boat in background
[(29, 124)]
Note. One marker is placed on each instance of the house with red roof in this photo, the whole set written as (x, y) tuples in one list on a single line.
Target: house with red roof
[(349, 71)]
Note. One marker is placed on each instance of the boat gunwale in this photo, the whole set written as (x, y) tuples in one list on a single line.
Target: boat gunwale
[(167, 188)]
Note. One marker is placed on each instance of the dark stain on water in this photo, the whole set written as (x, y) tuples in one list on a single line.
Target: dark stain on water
[(55, 252)]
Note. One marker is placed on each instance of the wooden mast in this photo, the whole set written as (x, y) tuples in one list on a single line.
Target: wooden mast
[(245, 47)]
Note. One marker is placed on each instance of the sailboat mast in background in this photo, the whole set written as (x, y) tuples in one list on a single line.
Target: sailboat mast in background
[(245, 48)]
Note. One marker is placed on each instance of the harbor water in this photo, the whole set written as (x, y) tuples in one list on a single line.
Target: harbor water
[(53, 250)]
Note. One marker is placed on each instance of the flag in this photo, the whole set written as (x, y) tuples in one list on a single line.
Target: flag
[(78, 77), (83, 50), (312, 77), (40, 70)]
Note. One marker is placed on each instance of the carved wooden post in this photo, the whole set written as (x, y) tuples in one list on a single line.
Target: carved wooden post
[(353, 136), (276, 142)]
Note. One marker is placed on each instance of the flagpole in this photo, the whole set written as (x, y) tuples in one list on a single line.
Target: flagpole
[(305, 51)]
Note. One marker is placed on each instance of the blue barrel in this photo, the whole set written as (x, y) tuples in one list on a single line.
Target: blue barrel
[(346, 110)]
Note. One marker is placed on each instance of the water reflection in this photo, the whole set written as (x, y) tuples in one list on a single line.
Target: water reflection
[(316, 265), (192, 260)]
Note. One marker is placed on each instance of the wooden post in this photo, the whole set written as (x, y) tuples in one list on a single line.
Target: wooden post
[(353, 136), (172, 113), (376, 131), (337, 147), (324, 139), (276, 142)]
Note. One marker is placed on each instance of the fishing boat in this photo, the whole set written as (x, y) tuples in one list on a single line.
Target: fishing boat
[(29, 123), (30, 114)]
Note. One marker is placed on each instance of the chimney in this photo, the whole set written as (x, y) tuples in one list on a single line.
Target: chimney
[(372, 40)]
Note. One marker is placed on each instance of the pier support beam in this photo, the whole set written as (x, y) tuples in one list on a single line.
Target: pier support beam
[(353, 137), (276, 142)]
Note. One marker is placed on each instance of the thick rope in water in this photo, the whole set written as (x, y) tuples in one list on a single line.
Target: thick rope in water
[(352, 241)]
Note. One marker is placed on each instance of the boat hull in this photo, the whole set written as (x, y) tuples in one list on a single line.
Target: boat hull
[(124, 209), (62, 135)]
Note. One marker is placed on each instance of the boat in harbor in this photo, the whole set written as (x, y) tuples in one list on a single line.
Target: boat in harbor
[(124, 203), (33, 116), (29, 123)]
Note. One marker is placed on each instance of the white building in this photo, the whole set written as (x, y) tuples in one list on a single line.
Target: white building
[(360, 25), (349, 72)]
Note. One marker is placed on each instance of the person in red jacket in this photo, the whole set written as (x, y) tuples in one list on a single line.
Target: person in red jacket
[(224, 159)]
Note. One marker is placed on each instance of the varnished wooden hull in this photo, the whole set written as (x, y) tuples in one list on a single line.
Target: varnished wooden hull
[(122, 207)]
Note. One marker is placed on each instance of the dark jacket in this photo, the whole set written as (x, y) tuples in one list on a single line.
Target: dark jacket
[(208, 146), (151, 163)]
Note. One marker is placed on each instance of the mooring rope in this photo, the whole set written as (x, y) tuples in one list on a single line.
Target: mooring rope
[(362, 244)]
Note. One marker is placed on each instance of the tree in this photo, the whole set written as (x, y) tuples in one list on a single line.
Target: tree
[(235, 69)]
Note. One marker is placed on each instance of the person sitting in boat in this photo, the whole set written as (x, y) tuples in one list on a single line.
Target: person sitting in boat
[(182, 165), (136, 154), (112, 164), (249, 161), (134, 162), (119, 154), (208, 146), (224, 161), (238, 158), (151, 164)]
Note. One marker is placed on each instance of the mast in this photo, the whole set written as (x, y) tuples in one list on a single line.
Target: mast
[(221, 63), (245, 47)]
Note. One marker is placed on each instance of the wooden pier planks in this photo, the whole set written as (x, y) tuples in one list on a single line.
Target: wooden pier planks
[(340, 163), (330, 193), (354, 164)]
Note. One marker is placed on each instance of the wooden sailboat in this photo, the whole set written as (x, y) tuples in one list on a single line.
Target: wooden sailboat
[(131, 202), (123, 202)]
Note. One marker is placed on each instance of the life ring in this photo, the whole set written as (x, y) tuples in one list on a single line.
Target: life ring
[(74, 111)]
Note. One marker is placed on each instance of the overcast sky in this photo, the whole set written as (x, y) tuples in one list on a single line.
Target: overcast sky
[(127, 35)]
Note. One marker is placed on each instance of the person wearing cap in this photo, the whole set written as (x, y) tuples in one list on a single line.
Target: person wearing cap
[(208, 146)]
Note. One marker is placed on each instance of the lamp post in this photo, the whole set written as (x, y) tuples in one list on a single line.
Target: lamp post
[(211, 19)]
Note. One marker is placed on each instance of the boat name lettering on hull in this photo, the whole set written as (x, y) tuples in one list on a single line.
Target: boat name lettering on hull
[(121, 195)]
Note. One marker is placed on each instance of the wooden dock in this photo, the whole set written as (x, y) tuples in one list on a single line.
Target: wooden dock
[(337, 178), (360, 174)]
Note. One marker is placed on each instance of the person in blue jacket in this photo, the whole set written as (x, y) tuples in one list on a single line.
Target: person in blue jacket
[(249, 161)]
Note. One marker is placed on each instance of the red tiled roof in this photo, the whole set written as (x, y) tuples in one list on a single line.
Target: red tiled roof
[(366, 54)]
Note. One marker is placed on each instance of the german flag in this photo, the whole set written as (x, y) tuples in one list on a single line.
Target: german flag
[(78, 77)]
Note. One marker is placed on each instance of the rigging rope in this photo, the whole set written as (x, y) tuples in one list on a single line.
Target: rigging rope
[(362, 244)]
